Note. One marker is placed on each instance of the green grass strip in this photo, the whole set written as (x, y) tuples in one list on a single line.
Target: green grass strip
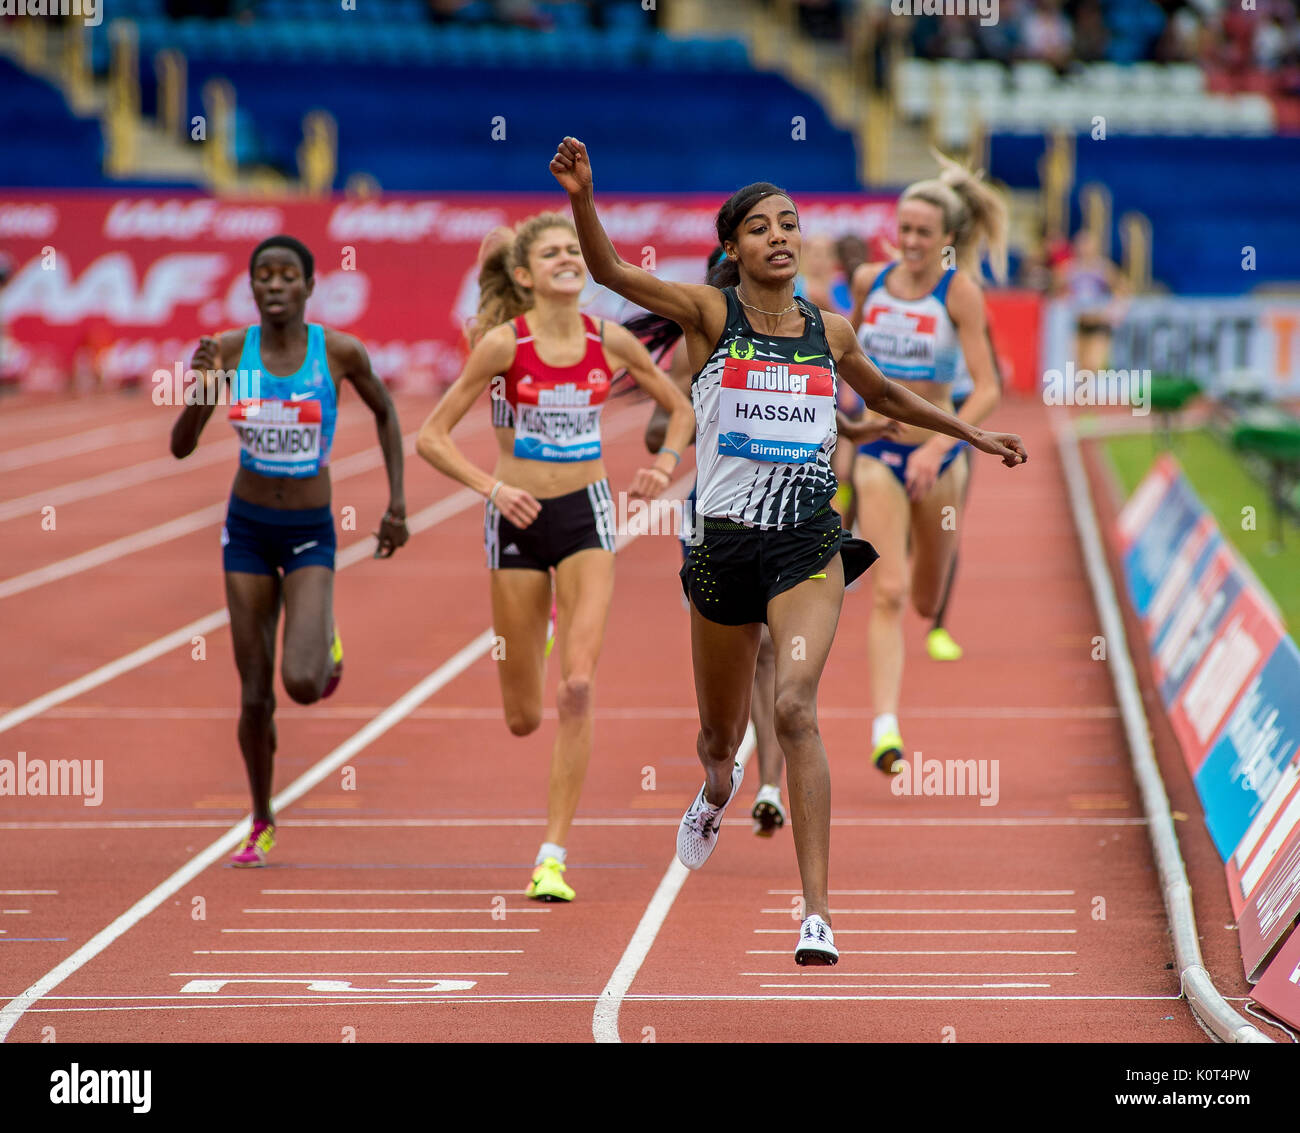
[(1226, 488)]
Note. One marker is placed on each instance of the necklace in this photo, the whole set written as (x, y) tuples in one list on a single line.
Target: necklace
[(769, 314)]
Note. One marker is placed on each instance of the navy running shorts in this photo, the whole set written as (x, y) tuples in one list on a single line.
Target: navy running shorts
[(894, 456), (265, 540)]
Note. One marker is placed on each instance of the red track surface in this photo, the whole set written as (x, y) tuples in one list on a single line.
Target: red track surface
[(949, 914)]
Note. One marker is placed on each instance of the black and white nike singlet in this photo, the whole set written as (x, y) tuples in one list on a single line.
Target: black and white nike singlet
[(765, 417)]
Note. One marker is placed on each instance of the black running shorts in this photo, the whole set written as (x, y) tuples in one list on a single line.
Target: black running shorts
[(734, 571), (566, 525)]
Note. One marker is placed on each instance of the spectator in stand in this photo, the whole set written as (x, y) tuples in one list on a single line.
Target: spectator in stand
[(821, 19), (1091, 37), (1045, 34)]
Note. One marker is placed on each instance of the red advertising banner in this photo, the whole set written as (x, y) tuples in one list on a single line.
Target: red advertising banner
[(109, 288)]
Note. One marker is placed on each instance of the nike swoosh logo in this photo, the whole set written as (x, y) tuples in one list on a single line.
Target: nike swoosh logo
[(298, 396), (305, 546), (806, 357)]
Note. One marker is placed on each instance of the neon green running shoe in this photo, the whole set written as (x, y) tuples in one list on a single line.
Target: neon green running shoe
[(547, 884), (940, 645), (888, 756), (336, 675), (550, 632)]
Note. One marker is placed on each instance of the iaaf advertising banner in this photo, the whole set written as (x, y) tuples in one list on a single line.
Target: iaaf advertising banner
[(113, 288), (1222, 343)]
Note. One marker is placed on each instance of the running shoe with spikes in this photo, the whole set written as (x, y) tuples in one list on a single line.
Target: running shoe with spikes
[(548, 884), (940, 645), (336, 675), (768, 813), (260, 842), (816, 943), (698, 833)]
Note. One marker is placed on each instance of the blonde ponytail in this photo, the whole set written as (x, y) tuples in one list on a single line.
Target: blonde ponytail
[(973, 211), (500, 298)]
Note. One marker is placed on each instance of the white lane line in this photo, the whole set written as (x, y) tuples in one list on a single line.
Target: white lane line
[(420, 975), (448, 671), (939, 912), (571, 1000), (52, 416), (930, 952), (911, 987), (110, 551), (936, 931), (365, 711), (145, 472), (768, 975), (395, 823), (933, 893), (367, 931), (358, 951), (604, 1021), (13, 912), (91, 441), (14, 1009), (400, 912), (353, 465), (164, 532), (381, 892), (28, 892), (445, 508)]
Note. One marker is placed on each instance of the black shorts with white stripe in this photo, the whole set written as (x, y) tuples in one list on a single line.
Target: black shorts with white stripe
[(580, 521)]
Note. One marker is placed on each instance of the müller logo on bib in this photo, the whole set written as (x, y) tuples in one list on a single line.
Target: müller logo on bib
[(775, 411)]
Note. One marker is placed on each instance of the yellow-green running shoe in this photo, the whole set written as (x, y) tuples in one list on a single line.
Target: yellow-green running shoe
[(547, 884), (336, 675), (941, 646), (550, 632), (888, 756)]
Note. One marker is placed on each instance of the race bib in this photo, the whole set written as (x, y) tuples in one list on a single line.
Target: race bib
[(775, 412), (558, 423), (278, 438), (899, 342)]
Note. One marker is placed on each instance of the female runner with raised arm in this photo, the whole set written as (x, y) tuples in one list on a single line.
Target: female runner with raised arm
[(773, 550)]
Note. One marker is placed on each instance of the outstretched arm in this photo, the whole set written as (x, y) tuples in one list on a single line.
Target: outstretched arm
[(893, 400), (392, 531)]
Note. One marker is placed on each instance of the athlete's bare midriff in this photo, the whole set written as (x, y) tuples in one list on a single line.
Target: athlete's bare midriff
[(543, 479)]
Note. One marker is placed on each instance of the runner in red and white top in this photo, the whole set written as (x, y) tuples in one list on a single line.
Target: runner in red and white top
[(549, 507)]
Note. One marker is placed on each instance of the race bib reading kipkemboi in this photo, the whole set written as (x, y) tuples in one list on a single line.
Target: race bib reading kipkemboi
[(278, 438), (774, 412)]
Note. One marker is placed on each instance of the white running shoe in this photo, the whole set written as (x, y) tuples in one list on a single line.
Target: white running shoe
[(816, 943), (698, 833), (768, 813)]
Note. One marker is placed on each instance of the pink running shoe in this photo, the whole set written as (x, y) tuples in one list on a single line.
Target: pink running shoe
[(259, 843)]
